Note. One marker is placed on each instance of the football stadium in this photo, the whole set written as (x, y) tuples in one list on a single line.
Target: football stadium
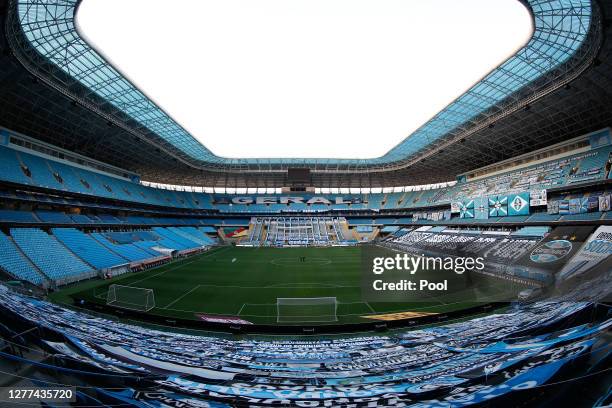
[(469, 264)]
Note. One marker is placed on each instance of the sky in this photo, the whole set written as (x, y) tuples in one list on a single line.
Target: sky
[(304, 78)]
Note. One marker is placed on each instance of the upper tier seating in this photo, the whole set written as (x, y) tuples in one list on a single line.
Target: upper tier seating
[(81, 219), (582, 167), (109, 219), (594, 216), (54, 217), (25, 168), (531, 232), (40, 172), (11, 169), (544, 217), (17, 216), (50, 256)]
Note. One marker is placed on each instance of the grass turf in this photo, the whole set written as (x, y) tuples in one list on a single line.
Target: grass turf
[(246, 282)]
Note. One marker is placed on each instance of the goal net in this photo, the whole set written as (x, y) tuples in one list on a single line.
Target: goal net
[(128, 297), (306, 310)]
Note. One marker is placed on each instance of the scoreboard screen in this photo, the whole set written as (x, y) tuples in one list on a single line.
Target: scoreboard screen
[(298, 175)]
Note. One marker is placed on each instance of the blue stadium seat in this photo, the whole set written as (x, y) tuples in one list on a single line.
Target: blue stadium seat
[(193, 234), (15, 263), (10, 168), (109, 219), (586, 166), (594, 216), (50, 256), (127, 250), (17, 216), (41, 172), (87, 248), (544, 217), (69, 178), (531, 232), (174, 241), (81, 219), (54, 217)]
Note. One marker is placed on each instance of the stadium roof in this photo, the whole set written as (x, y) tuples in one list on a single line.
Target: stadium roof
[(139, 136)]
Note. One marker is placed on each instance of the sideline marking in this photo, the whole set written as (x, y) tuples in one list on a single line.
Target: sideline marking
[(180, 297), (178, 266)]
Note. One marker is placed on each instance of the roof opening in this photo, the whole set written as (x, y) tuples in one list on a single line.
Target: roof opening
[(304, 78)]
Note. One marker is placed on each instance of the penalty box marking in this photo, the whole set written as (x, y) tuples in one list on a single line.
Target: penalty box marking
[(181, 297), (210, 253)]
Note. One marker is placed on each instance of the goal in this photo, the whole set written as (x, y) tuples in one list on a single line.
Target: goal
[(129, 297), (306, 310)]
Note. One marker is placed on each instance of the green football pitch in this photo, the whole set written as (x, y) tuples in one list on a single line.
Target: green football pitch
[(247, 282)]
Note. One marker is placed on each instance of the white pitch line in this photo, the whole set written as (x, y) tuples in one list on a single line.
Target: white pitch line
[(240, 311), (176, 267), (371, 308), (180, 297)]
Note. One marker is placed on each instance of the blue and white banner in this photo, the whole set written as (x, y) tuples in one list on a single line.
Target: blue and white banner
[(542, 343), (552, 207), (551, 254), (501, 363), (97, 355), (584, 205), (594, 251), (533, 373), (604, 202), (467, 209), (498, 206), (66, 350), (156, 399), (518, 204), (574, 205), (481, 208), (592, 204)]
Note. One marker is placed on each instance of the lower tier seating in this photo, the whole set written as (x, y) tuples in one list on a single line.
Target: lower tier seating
[(475, 361), (50, 256), (127, 250), (13, 262), (68, 254), (281, 231), (87, 248)]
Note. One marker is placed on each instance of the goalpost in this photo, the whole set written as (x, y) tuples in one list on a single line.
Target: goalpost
[(129, 297), (306, 310)]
